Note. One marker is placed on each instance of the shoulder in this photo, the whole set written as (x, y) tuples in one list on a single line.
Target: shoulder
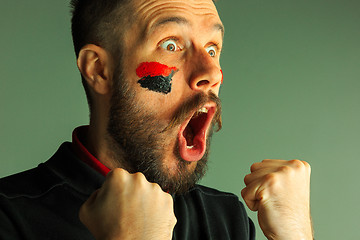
[(34, 182), (30, 183), (62, 172)]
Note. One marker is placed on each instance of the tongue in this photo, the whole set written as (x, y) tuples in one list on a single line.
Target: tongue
[(191, 147)]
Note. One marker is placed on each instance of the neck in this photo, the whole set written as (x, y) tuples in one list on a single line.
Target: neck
[(96, 143)]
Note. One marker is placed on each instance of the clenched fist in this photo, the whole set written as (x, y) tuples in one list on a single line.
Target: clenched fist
[(280, 191), (127, 206)]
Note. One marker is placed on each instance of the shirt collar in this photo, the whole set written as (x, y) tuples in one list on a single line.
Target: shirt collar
[(81, 151)]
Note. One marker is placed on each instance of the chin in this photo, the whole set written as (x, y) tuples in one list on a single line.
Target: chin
[(173, 168)]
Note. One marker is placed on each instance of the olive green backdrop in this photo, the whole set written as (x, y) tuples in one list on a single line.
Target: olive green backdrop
[(291, 90)]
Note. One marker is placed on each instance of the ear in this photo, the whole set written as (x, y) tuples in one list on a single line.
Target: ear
[(95, 65)]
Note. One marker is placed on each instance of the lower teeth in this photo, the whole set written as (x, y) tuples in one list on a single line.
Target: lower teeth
[(189, 147)]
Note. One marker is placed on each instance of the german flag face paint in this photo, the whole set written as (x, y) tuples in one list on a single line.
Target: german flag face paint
[(155, 76)]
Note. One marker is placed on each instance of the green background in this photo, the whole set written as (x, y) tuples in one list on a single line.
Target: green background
[(291, 90)]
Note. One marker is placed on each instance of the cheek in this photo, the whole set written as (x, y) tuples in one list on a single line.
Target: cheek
[(155, 76)]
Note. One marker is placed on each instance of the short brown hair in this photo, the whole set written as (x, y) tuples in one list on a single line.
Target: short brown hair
[(98, 22)]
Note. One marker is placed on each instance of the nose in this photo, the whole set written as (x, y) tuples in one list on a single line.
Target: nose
[(205, 71)]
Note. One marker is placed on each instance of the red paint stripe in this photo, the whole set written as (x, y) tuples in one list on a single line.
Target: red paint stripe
[(222, 76), (153, 69)]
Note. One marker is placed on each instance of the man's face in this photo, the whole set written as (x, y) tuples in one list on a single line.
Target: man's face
[(161, 113)]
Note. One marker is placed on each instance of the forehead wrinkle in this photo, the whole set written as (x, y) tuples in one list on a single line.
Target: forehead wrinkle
[(149, 10), (166, 20), (148, 5), (153, 14), (158, 21), (199, 11)]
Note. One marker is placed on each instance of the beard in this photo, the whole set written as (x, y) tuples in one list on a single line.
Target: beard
[(138, 140)]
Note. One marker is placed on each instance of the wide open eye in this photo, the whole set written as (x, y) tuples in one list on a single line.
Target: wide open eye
[(211, 50), (170, 45)]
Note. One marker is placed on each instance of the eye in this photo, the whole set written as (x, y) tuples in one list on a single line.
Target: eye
[(170, 45), (211, 50)]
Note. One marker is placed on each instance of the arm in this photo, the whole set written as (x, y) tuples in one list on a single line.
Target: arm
[(280, 191)]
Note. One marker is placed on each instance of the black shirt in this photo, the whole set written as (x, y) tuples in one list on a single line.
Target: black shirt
[(43, 203)]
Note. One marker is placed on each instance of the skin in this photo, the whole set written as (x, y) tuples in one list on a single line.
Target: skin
[(198, 71), (143, 210), (277, 189)]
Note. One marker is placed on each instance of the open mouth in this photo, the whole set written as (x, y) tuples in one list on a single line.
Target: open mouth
[(193, 133)]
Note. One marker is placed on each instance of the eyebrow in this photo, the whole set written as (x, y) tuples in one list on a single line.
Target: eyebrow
[(182, 21), (220, 27)]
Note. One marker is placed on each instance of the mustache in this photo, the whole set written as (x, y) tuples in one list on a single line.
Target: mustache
[(190, 106)]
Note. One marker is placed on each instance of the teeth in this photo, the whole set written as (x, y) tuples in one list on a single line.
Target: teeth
[(189, 147), (203, 110)]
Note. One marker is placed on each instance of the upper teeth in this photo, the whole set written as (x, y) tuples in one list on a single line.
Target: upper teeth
[(203, 110)]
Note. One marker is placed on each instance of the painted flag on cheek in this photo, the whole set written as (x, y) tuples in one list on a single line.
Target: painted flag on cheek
[(155, 76)]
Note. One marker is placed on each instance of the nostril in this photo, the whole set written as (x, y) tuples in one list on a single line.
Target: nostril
[(202, 82)]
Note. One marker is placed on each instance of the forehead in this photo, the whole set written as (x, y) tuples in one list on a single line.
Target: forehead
[(150, 14)]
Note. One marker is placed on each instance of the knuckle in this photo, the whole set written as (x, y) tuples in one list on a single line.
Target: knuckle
[(252, 204), (168, 202), (300, 166), (254, 166), (288, 171), (285, 169), (309, 169), (117, 173), (138, 175), (167, 199), (296, 163), (174, 219), (140, 178), (156, 187), (140, 181), (116, 176), (307, 165), (244, 193), (247, 179), (271, 178)]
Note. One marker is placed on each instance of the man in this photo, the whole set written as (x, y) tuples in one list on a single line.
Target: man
[(152, 75)]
